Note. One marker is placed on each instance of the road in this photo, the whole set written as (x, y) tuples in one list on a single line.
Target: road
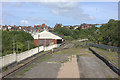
[(80, 65)]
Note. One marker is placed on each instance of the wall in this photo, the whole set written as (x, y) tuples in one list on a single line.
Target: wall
[(42, 41), (45, 41), (36, 42), (12, 58), (50, 47), (54, 41)]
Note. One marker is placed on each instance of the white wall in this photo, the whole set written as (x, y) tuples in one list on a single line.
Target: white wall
[(50, 47), (9, 59)]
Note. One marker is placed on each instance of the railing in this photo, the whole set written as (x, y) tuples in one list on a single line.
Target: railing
[(106, 47), (12, 58)]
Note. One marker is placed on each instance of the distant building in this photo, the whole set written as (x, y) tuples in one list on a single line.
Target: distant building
[(67, 27), (0, 27), (29, 29), (43, 25), (75, 27), (19, 27), (9, 27), (58, 25), (4, 28), (86, 26)]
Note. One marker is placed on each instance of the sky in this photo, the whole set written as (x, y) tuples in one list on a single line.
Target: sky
[(50, 13)]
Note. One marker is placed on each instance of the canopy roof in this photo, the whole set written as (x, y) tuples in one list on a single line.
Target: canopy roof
[(46, 35)]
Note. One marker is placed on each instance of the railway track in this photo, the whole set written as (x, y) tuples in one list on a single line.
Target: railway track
[(25, 63)]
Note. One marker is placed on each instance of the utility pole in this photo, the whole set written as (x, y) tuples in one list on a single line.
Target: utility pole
[(17, 47), (45, 43), (14, 50), (13, 45), (38, 41), (28, 44), (16, 53)]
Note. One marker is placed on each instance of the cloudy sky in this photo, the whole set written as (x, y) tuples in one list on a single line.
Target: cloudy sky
[(50, 13)]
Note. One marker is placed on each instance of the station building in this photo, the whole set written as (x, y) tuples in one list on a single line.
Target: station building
[(46, 38)]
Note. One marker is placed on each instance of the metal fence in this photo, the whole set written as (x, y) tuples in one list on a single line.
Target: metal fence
[(106, 47)]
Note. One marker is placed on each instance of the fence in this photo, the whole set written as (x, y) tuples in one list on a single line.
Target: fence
[(112, 48), (12, 58), (50, 47)]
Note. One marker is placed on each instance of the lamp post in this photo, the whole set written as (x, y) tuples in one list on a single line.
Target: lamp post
[(38, 42)]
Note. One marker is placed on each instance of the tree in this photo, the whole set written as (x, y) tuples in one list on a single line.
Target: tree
[(20, 39), (71, 27)]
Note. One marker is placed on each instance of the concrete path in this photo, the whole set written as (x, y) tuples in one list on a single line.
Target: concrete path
[(43, 70), (92, 67), (69, 69)]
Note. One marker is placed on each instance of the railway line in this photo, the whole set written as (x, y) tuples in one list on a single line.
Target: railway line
[(89, 66), (27, 62)]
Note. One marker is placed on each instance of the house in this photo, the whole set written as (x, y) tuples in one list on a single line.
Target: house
[(0, 27), (67, 27), (86, 26), (75, 27), (4, 28), (19, 28), (9, 27), (58, 25), (46, 38)]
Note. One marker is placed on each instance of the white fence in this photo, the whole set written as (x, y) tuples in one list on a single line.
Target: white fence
[(50, 47), (9, 59)]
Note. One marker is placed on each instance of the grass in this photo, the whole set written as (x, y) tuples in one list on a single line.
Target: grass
[(71, 51), (83, 55), (44, 58), (78, 48), (109, 55), (64, 61)]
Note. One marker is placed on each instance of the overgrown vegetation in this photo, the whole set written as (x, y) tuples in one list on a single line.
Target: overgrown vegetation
[(107, 34), (16, 40)]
